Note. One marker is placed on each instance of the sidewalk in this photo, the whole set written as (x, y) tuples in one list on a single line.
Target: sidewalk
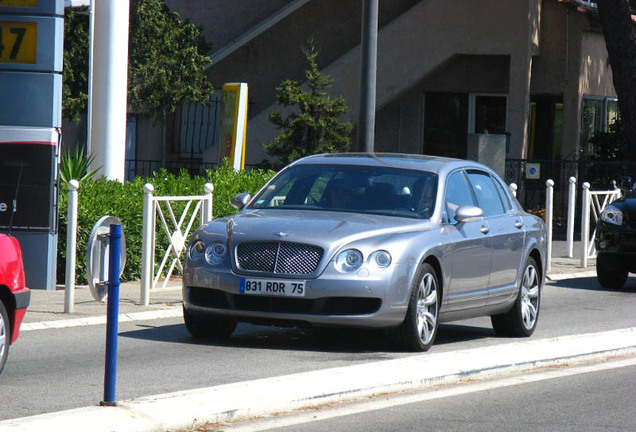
[(568, 268), (47, 307)]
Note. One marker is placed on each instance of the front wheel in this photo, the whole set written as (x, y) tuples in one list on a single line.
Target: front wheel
[(610, 272), (521, 320), (5, 335), (214, 328), (419, 328)]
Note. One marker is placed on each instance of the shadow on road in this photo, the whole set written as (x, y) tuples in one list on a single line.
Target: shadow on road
[(591, 284), (333, 340)]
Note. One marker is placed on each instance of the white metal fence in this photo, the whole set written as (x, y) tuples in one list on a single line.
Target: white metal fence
[(177, 229), (593, 203)]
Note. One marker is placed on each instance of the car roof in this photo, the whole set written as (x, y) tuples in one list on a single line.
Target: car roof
[(435, 164)]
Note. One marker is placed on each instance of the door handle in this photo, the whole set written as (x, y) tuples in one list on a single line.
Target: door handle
[(518, 224), (484, 229)]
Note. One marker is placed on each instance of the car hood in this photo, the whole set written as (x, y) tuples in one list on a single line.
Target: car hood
[(329, 230)]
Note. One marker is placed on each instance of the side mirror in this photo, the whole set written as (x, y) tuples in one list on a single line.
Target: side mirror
[(625, 184), (468, 213), (240, 200)]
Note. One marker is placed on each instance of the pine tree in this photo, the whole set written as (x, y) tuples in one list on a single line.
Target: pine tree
[(313, 125)]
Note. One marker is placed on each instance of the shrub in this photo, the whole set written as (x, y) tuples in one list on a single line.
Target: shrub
[(109, 197)]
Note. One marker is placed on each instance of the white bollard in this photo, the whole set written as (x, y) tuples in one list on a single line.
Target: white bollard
[(585, 223), (147, 249), (549, 204), (571, 214), (513, 189), (71, 247), (206, 214)]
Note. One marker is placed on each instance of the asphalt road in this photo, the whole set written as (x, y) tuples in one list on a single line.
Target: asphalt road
[(52, 370), (583, 399)]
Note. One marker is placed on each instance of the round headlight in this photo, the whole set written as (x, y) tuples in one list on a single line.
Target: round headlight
[(196, 250), (215, 253), (381, 259), (349, 260), (612, 214)]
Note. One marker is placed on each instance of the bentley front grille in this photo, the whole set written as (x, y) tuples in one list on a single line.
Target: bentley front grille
[(278, 257)]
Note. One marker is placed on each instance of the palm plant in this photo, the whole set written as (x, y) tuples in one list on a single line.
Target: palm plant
[(76, 166)]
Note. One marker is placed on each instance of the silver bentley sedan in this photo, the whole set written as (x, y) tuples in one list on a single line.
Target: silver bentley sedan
[(395, 241)]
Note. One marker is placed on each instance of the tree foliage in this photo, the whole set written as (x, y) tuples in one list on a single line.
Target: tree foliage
[(75, 79), (607, 146), (313, 124), (166, 60)]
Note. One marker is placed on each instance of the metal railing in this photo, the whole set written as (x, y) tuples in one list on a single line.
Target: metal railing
[(194, 128), (531, 193), (177, 230), (593, 202)]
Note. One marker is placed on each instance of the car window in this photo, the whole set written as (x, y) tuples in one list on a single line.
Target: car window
[(378, 190), (502, 194), (486, 193), (457, 194)]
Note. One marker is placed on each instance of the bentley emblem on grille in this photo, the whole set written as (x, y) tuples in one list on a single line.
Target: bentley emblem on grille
[(281, 234)]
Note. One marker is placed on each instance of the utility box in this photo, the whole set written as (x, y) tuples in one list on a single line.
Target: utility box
[(488, 149)]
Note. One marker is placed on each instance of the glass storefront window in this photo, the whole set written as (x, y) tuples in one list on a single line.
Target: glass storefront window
[(591, 118), (597, 114), (612, 111), (490, 114)]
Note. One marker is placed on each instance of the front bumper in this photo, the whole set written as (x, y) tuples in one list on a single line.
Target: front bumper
[(372, 300), (619, 241)]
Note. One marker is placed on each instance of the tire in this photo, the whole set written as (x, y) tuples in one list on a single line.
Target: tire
[(419, 328), (5, 335), (609, 272), (213, 328), (522, 319)]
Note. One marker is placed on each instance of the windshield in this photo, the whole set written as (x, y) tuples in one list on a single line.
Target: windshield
[(349, 188)]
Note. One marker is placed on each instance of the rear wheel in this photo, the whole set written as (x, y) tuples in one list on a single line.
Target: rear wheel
[(216, 328), (419, 328), (5, 335), (521, 320), (610, 271)]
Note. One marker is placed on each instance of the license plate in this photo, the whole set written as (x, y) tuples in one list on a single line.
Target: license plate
[(273, 287)]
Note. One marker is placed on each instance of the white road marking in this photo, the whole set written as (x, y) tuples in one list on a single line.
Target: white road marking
[(380, 403)]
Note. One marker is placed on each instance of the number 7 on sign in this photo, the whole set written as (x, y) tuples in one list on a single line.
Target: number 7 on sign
[(17, 42)]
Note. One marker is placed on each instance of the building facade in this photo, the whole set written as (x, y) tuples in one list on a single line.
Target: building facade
[(531, 74)]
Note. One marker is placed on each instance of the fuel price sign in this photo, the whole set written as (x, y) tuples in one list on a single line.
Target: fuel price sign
[(18, 41)]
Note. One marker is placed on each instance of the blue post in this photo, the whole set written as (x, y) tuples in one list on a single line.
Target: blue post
[(110, 371)]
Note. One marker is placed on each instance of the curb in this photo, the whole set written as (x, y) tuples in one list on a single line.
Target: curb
[(101, 320), (563, 276), (242, 400)]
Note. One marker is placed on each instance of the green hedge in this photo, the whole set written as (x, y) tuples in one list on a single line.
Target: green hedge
[(102, 197)]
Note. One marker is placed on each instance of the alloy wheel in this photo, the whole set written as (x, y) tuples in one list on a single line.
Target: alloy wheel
[(529, 297), (427, 308)]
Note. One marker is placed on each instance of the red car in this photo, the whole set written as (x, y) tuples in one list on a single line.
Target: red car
[(14, 296)]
